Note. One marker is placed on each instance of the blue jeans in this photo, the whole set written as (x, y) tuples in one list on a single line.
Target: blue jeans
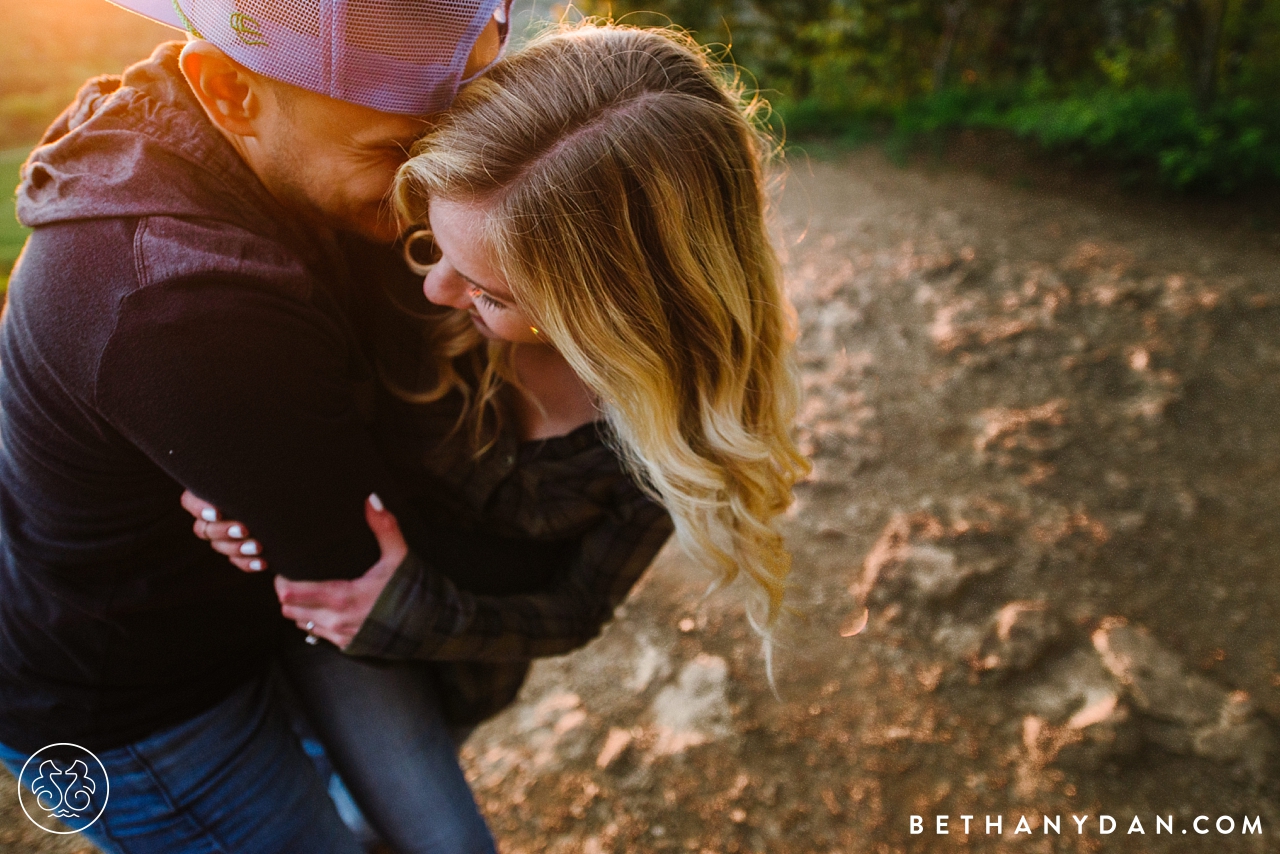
[(231, 780), (235, 780), (381, 726)]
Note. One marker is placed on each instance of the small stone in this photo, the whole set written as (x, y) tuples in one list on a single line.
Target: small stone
[(932, 570), (1019, 634), (936, 573), (1156, 680), (615, 744), (695, 710), (1080, 719), (960, 640), (1069, 685), (1187, 713), (1238, 735)]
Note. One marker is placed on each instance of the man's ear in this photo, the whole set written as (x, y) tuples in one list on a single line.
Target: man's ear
[(229, 93)]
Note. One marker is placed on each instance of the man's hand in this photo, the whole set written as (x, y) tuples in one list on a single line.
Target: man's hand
[(335, 610)]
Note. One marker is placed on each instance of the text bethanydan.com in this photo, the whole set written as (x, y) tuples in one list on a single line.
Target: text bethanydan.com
[(1102, 825)]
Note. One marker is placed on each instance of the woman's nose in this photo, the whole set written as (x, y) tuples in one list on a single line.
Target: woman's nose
[(443, 286)]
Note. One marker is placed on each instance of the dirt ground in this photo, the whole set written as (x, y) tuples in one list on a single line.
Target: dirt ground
[(1044, 423), (1044, 426)]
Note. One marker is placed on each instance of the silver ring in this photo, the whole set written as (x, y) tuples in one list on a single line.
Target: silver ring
[(311, 639)]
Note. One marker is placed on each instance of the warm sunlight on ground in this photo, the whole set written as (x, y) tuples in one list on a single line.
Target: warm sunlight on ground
[(50, 47)]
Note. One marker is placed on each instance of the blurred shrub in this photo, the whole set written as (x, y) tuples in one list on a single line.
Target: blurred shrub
[(1186, 89), (1232, 144)]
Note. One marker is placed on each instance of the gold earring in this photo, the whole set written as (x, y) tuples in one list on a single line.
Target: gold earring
[(533, 329)]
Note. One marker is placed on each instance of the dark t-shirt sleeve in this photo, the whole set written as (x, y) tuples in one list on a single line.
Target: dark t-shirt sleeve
[(246, 395)]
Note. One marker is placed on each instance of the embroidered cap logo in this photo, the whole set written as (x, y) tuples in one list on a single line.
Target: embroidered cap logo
[(247, 29)]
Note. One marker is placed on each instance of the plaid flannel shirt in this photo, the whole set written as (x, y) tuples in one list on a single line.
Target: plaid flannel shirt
[(565, 491)]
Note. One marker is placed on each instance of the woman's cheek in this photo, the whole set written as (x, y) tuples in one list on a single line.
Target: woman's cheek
[(515, 330)]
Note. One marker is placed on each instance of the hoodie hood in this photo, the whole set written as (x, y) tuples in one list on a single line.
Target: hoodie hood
[(140, 145)]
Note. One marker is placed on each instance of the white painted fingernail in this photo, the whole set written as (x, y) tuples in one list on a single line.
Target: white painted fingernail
[(235, 532), (376, 502), (255, 565), (249, 548), (209, 514)]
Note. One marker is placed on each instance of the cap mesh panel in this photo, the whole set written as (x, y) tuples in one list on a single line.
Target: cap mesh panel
[(401, 56), (298, 15), (426, 27)]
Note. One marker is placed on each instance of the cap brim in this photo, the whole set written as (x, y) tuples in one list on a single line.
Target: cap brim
[(160, 11)]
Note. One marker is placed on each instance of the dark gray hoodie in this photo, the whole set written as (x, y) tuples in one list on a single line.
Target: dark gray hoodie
[(169, 325)]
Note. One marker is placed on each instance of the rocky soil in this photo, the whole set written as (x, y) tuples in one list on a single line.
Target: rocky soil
[(1037, 564)]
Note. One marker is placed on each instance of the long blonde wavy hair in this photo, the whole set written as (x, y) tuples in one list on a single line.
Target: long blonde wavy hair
[(623, 178)]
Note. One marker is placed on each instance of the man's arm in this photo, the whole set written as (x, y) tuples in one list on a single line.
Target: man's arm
[(246, 395)]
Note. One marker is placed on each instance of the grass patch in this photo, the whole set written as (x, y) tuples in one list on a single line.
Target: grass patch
[(50, 47), (12, 235), (808, 120)]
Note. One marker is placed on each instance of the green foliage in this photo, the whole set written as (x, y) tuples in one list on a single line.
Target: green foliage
[(810, 119), (12, 235), (1233, 144), (1230, 145), (1186, 90)]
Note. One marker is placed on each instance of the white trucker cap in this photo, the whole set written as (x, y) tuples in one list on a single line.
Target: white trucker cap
[(397, 56)]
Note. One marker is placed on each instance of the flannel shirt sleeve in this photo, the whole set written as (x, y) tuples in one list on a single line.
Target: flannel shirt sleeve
[(421, 614)]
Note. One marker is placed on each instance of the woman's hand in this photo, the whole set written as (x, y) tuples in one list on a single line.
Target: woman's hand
[(227, 537), (334, 610)]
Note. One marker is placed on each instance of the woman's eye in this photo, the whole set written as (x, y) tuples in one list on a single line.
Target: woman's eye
[(483, 298)]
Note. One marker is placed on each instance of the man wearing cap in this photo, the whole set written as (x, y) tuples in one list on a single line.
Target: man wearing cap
[(187, 314)]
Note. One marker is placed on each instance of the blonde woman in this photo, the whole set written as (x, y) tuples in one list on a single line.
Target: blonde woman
[(593, 213)]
